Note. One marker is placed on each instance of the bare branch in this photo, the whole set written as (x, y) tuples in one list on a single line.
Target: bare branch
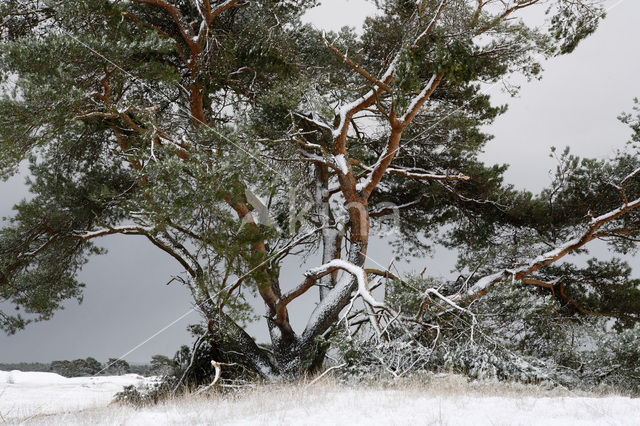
[(521, 4), (357, 68)]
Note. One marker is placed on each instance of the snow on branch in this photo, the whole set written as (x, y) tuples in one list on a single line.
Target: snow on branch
[(217, 366), (314, 274), (423, 174), (414, 173), (630, 176), (450, 302), (341, 164), (313, 158), (347, 111), (228, 4), (590, 234), (316, 122), (622, 186), (359, 273), (418, 101), (111, 231), (397, 127), (430, 27), (461, 197)]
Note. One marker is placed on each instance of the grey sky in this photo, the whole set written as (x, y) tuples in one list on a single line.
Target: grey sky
[(126, 301)]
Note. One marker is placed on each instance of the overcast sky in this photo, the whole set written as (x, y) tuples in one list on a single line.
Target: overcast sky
[(126, 301)]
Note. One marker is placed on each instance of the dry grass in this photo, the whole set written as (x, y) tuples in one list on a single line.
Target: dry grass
[(436, 398)]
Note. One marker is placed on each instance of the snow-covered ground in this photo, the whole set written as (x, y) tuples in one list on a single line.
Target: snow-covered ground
[(34, 398), (27, 394)]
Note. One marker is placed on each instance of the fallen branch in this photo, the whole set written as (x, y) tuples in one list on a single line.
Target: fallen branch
[(218, 367), (335, 367)]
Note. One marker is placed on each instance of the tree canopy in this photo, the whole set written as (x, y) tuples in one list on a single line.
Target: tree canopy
[(232, 136)]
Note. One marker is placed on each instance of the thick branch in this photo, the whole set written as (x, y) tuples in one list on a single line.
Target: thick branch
[(481, 286), (397, 127), (418, 102), (179, 20)]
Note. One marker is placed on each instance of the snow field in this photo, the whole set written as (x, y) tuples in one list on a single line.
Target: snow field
[(26, 394), (444, 400)]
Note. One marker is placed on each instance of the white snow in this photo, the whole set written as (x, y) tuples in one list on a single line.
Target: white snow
[(553, 253), (27, 394), (348, 108), (431, 24), (615, 213), (630, 176), (340, 289), (419, 98), (310, 117), (451, 401), (595, 223), (116, 229), (482, 283), (341, 163)]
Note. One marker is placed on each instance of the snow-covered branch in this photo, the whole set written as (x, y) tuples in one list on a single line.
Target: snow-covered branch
[(338, 297), (111, 231), (315, 121), (424, 174), (590, 234), (316, 273), (413, 173), (347, 111), (228, 4), (418, 102), (449, 302), (430, 27)]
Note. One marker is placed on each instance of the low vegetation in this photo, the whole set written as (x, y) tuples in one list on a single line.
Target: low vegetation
[(434, 399)]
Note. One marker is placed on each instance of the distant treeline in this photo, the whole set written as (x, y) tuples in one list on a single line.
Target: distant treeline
[(84, 367)]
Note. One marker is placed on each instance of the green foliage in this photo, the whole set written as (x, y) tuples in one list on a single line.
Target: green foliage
[(191, 368), (572, 22), (406, 295), (25, 366), (162, 365), (77, 367), (137, 120), (117, 367)]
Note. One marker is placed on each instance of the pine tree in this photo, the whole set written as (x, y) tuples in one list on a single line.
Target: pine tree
[(232, 136)]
